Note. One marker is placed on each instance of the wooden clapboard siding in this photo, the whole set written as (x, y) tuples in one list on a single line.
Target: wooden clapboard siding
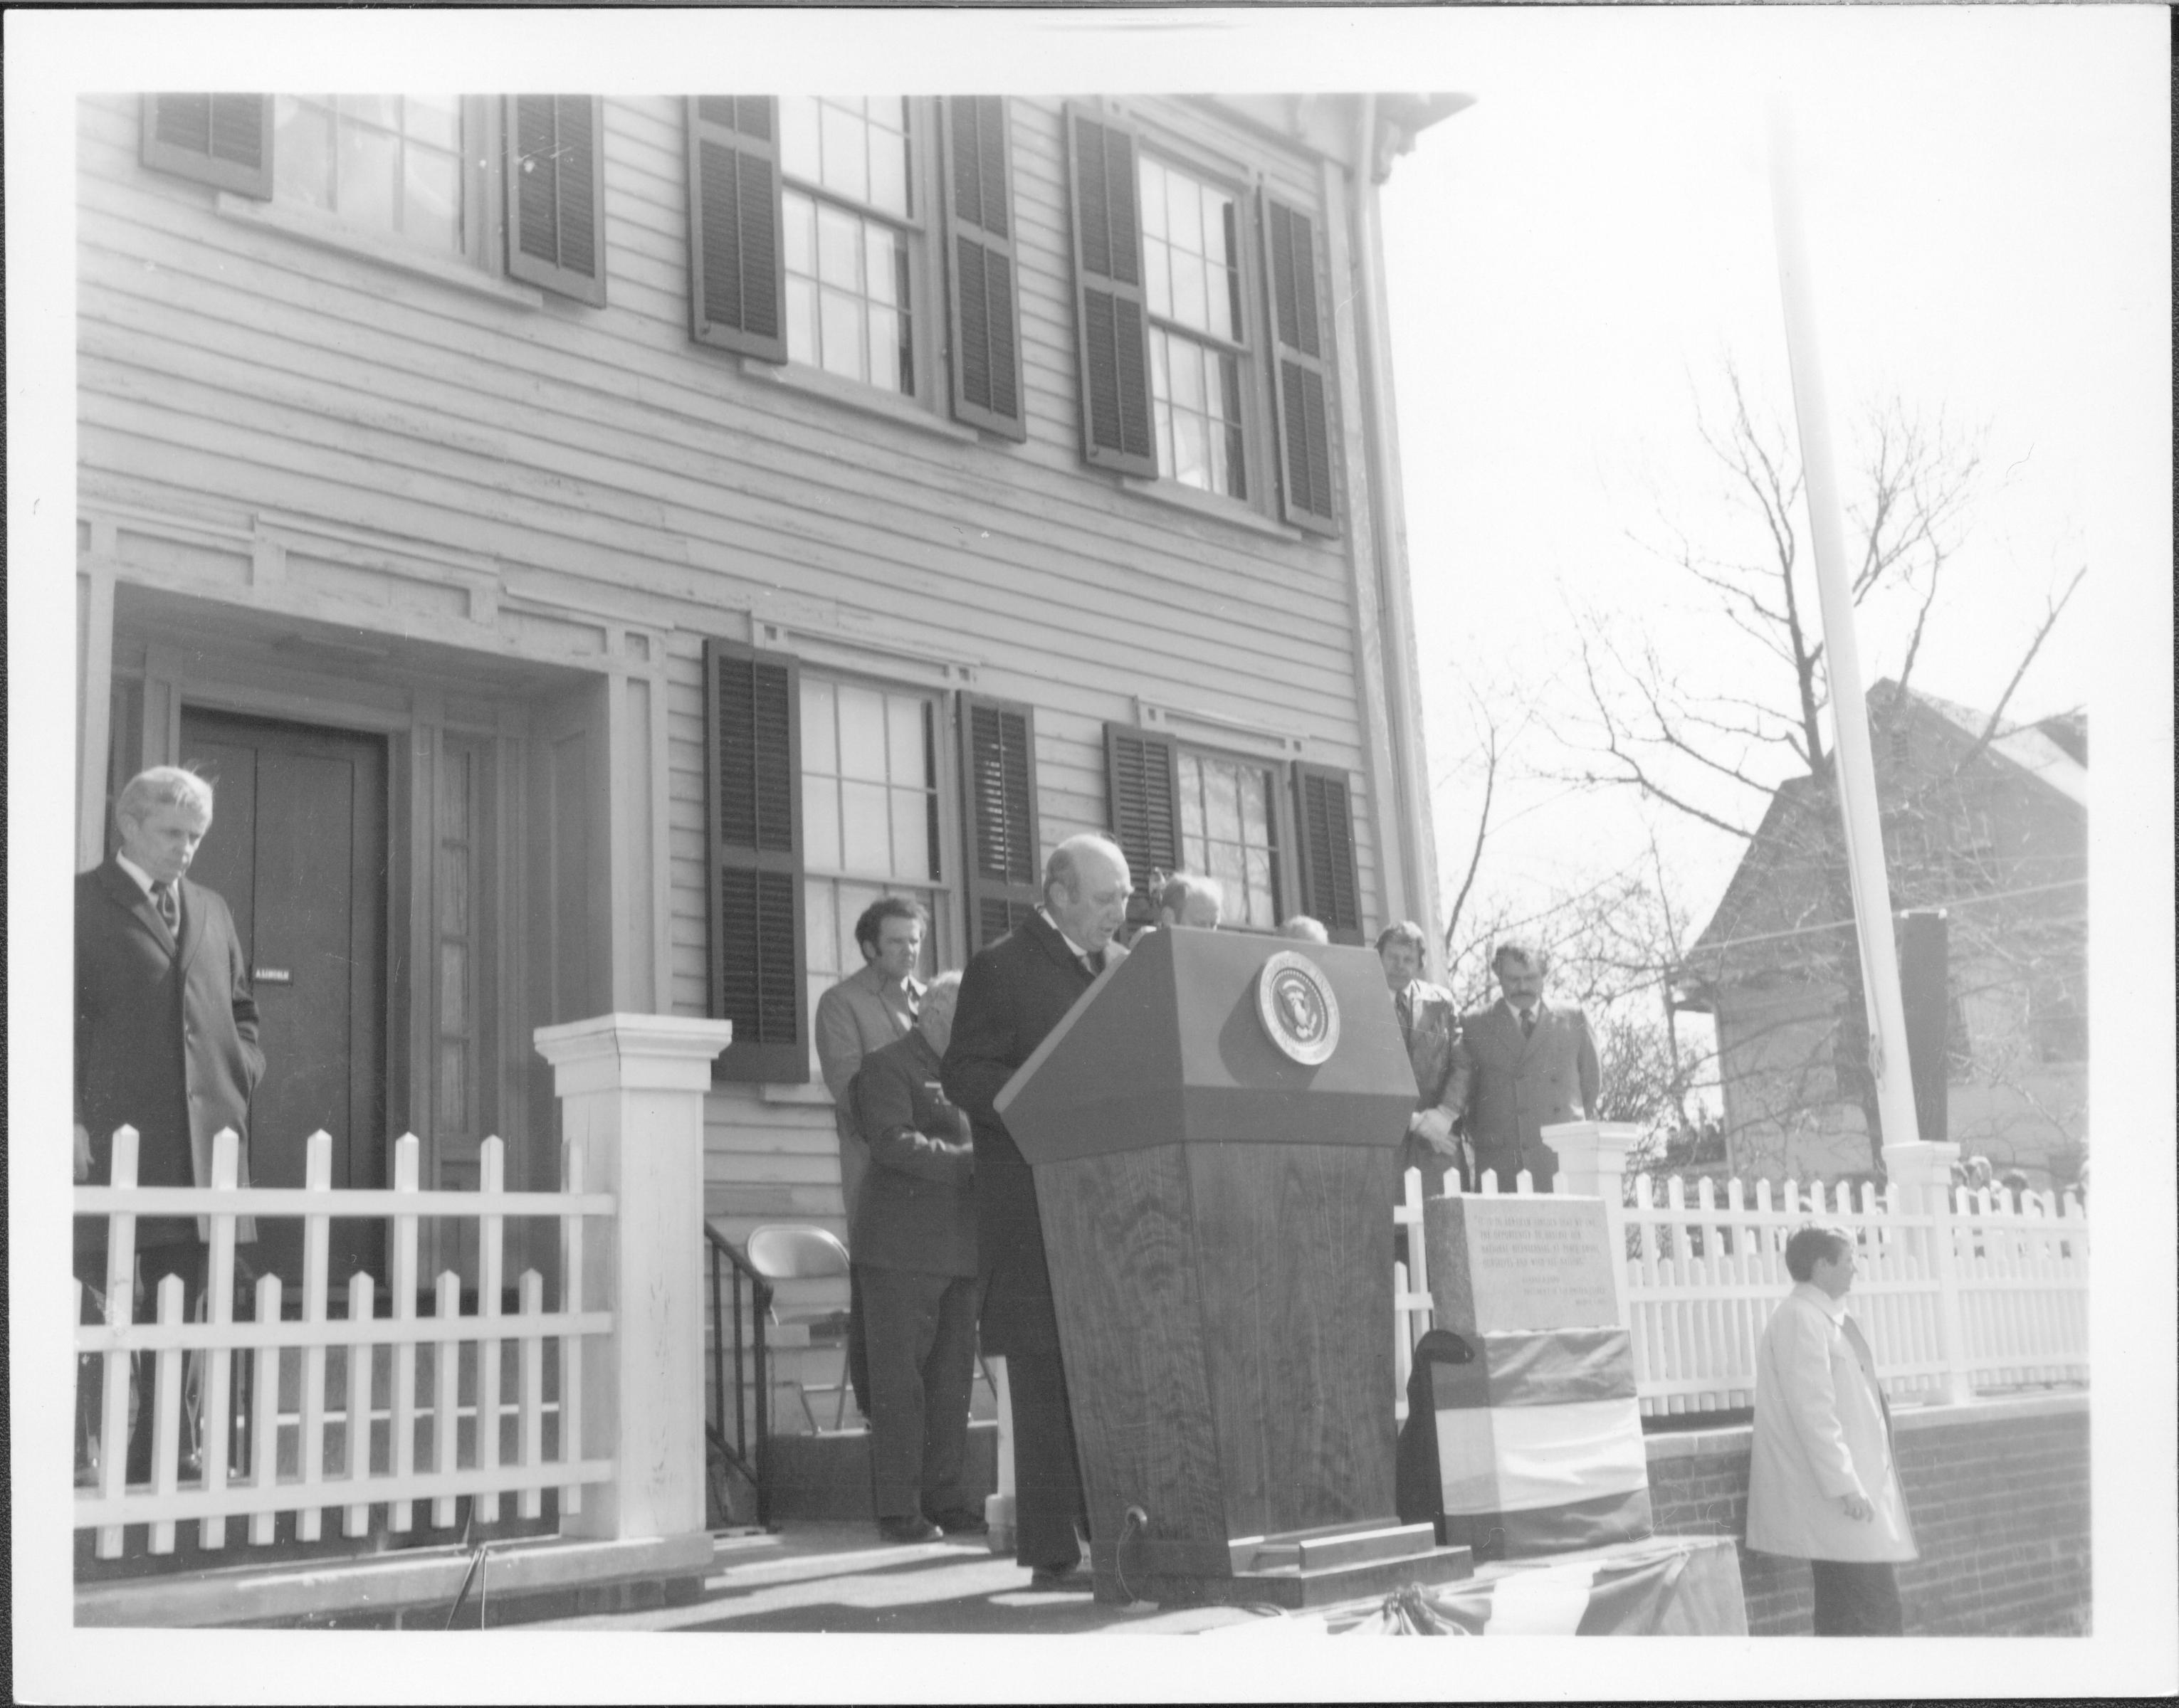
[(611, 467)]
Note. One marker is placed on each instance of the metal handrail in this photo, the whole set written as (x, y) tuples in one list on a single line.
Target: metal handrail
[(748, 1457)]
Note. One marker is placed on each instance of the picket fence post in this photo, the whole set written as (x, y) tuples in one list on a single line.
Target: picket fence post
[(631, 1089), (1922, 1172)]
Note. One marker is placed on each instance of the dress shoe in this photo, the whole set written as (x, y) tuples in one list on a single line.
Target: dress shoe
[(908, 1530), (1077, 1576), (961, 1521)]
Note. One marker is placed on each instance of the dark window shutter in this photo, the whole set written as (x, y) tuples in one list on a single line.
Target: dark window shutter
[(983, 313), (220, 139), (556, 229), (736, 265), (1112, 330), (1329, 893), (998, 800), (1298, 359), (753, 748), (1142, 800)]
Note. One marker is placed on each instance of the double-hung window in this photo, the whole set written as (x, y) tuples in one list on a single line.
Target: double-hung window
[(850, 213), (1201, 344), (452, 185), (1229, 830)]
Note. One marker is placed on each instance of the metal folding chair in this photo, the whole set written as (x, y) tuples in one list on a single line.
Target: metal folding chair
[(786, 1252)]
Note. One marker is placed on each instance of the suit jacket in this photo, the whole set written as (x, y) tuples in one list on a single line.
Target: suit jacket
[(854, 1018), (918, 1209), (166, 1041), (1432, 1038), (1510, 1087), (1821, 1431), (1012, 993)]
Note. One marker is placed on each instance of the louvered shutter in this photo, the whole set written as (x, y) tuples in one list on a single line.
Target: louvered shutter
[(556, 229), (737, 265), (1142, 800), (1299, 347), (1111, 333), (998, 800), (1329, 891), (753, 748), (983, 312), (220, 139)]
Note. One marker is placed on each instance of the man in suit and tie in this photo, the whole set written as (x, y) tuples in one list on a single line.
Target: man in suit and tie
[(165, 1032), (914, 1237), (1013, 994), (1430, 1028), (866, 1010), (1522, 1066)]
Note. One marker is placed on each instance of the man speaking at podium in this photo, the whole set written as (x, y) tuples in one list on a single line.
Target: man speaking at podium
[(1013, 994)]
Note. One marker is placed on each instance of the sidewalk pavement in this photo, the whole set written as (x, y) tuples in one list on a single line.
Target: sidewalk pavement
[(825, 1576)]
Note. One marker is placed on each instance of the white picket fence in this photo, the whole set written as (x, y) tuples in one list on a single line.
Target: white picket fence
[(361, 1433), (1958, 1292)]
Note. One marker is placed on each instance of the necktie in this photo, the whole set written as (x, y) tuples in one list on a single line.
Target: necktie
[(169, 904), (1090, 964), (1405, 1005), (1527, 1022)]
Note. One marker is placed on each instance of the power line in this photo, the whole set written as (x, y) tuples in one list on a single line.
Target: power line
[(1949, 902)]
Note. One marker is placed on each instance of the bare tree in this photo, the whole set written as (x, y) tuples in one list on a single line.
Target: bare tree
[(1672, 724)]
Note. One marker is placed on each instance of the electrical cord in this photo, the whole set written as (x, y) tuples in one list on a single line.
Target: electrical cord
[(1136, 1519), (475, 1573)]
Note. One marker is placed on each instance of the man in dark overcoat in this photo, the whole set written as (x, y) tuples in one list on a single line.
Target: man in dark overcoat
[(915, 1238), (1013, 994), (166, 1029), (1521, 1066)]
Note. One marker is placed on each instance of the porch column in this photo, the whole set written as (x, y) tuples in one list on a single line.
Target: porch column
[(1921, 1171), (1593, 1164), (631, 1089)]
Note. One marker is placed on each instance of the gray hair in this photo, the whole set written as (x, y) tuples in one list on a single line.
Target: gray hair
[(1063, 866), (946, 986), (1183, 884), (1305, 929), (162, 785)]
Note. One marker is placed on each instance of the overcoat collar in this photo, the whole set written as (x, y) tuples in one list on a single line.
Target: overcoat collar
[(127, 894), (1049, 938)]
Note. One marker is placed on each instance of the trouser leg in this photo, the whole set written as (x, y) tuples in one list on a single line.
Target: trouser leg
[(1856, 1598), (155, 1264), (859, 1352), (901, 1314), (949, 1368), (1048, 1499)]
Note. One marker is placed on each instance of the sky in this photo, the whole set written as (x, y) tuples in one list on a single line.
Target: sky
[(1573, 260), (1568, 260)]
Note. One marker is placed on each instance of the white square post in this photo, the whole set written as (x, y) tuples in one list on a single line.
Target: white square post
[(1921, 1171), (1593, 1164), (631, 1089)]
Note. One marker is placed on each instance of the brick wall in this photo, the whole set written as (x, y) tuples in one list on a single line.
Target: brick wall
[(1999, 1494)]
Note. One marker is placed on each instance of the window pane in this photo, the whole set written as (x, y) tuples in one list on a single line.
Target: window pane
[(1254, 807), (822, 930), (820, 744), (1222, 804), (906, 753), (433, 214), (382, 110), (865, 836), (1190, 460), (1263, 903), (800, 218), (801, 320), (820, 820), (862, 733), (1186, 362), (840, 335), (1188, 289), (882, 266), (1191, 796), (798, 138), (889, 170), (837, 247), (435, 119), (302, 152), (1152, 180), (1228, 867), (911, 839), (846, 153), (887, 371), (369, 163)]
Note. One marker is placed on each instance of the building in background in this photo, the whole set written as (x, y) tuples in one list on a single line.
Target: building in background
[(1990, 826), (598, 545)]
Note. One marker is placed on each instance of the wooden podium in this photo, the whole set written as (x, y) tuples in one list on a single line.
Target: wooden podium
[(1213, 1129)]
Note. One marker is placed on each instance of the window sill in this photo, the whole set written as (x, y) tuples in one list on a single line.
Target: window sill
[(815, 382), (1209, 505), (328, 234)]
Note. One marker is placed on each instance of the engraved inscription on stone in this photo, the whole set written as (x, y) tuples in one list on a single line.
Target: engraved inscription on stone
[(1505, 1263)]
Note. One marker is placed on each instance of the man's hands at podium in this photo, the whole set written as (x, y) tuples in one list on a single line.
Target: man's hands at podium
[(1435, 1126)]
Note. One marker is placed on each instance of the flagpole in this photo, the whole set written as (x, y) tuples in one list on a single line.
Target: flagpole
[(1849, 750)]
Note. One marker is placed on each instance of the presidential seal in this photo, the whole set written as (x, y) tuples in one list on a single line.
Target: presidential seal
[(1299, 1014)]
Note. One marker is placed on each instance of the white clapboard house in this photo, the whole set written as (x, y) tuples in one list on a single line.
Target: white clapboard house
[(598, 545)]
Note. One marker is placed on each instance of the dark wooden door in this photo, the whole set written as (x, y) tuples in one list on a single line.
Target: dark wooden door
[(299, 849)]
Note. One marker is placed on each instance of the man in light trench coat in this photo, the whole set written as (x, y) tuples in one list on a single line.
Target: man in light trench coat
[(1823, 1485)]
